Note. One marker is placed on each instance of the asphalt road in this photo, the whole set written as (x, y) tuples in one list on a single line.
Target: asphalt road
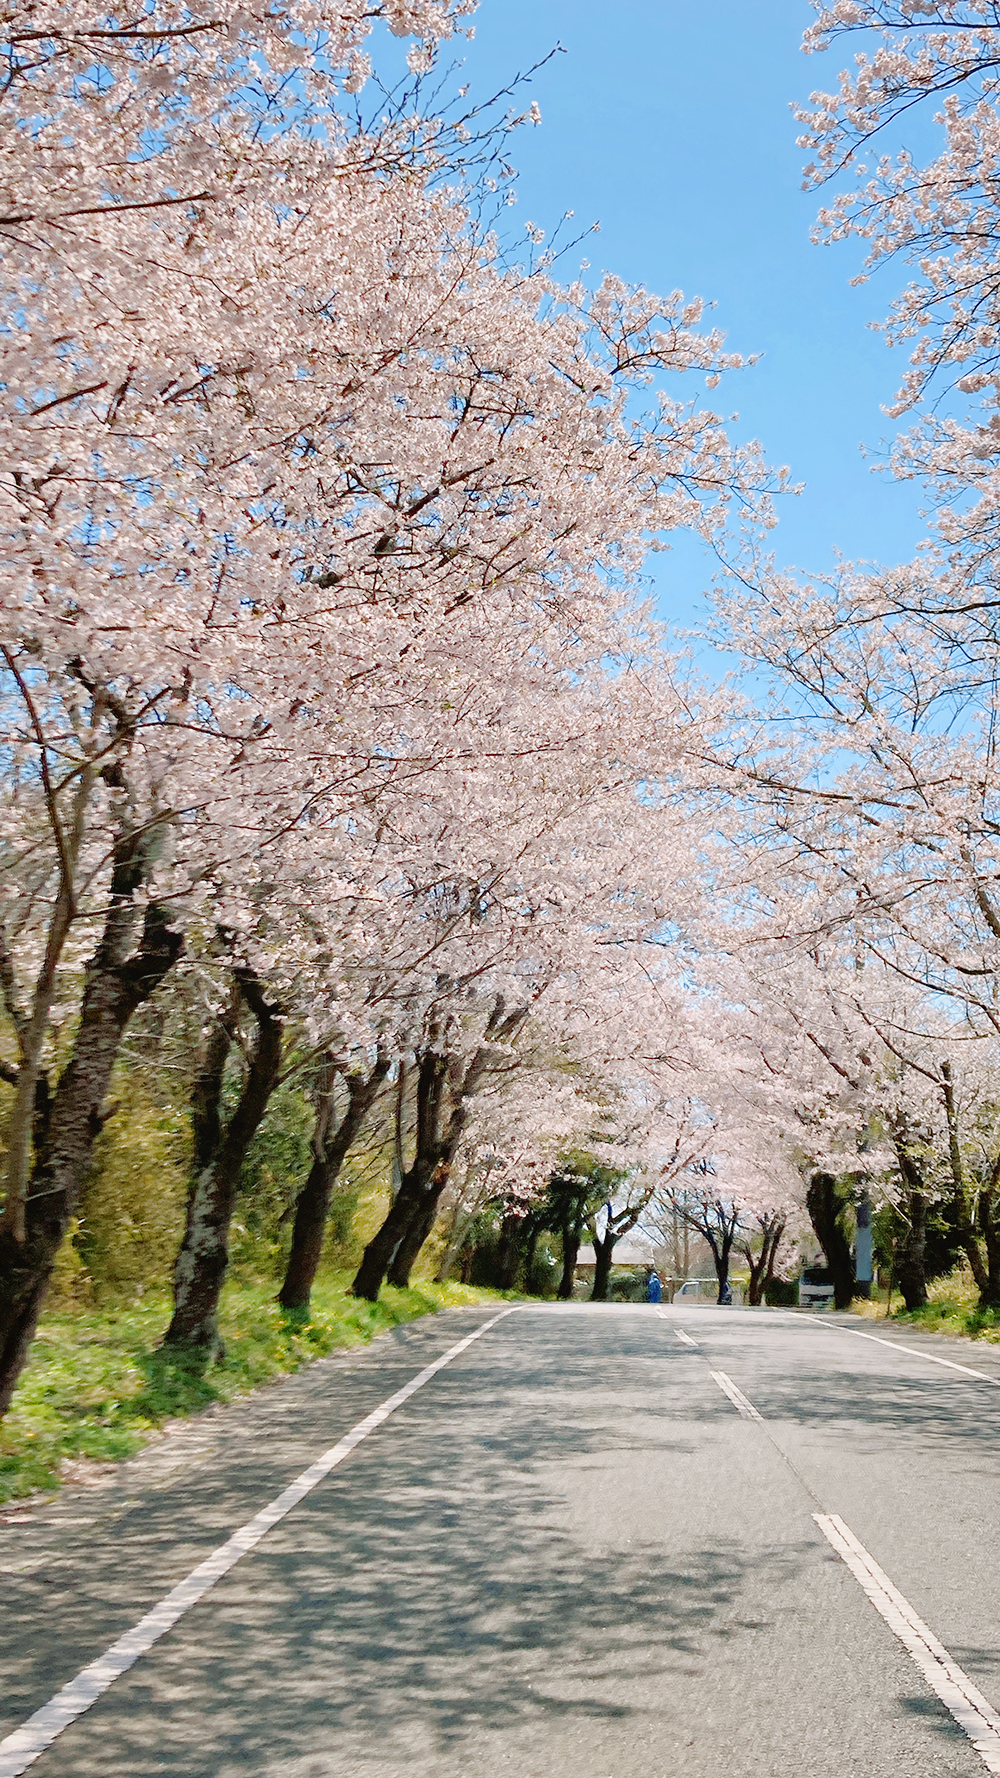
[(568, 1552)]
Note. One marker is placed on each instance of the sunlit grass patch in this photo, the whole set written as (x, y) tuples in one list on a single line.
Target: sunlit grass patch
[(98, 1381), (952, 1308)]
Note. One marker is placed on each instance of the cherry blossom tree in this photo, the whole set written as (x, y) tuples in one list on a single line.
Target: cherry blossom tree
[(313, 505)]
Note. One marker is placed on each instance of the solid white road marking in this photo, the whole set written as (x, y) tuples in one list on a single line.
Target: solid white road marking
[(897, 1346), (736, 1396), (20, 1750), (955, 1689)]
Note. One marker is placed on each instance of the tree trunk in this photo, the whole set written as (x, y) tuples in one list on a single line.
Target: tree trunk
[(570, 1249), (990, 1299), (603, 1251), (200, 1267), (444, 1089), (762, 1264), (118, 982), (825, 1208), (721, 1254), (331, 1147), (965, 1225), (909, 1264), (511, 1256), (413, 1239), (378, 1254), (460, 1229), (531, 1246)]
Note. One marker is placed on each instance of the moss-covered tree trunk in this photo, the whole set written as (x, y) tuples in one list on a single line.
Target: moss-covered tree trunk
[(120, 977)]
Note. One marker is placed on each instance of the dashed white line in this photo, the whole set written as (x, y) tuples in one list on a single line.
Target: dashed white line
[(684, 1338), (966, 1703), (20, 1750), (972, 1712), (736, 1396)]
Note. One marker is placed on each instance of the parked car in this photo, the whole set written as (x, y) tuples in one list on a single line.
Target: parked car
[(815, 1287), (704, 1290)]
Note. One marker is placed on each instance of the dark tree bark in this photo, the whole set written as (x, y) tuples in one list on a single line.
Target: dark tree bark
[(762, 1264), (331, 1144), (570, 1252), (717, 1222), (418, 1185), (513, 1231), (909, 1267), (721, 1244), (200, 1267), (910, 1248), (603, 1254), (120, 977), (411, 1242), (825, 1207), (530, 1249), (445, 1085), (620, 1222)]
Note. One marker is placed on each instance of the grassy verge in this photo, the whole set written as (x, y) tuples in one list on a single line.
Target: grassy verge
[(952, 1308), (98, 1383)]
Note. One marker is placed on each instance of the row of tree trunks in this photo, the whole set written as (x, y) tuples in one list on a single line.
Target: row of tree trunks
[(446, 1083), (120, 977), (200, 1269), (440, 1118)]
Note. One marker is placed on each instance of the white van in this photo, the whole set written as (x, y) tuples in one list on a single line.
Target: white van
[(815, 1287)]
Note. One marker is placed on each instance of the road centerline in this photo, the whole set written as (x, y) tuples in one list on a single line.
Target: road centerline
[(743, 1407), (26, 1744)]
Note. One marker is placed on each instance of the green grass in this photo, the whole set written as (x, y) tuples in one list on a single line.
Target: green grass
[(98, 1383), (952, 1308)]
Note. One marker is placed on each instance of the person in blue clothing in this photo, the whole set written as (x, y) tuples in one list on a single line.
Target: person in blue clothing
[(654, 1289)]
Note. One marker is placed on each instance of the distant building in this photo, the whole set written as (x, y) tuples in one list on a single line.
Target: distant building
[(631, 1255)]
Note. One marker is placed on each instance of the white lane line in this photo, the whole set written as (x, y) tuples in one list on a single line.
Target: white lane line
[(954, 1687), (737, 1397), (897, 1346), (20, 1750), (685, 1339)]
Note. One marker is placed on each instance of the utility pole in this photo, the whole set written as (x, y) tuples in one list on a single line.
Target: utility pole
[(863, 1273)]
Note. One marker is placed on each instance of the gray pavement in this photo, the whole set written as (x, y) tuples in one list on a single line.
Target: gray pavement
[(567, 1553)]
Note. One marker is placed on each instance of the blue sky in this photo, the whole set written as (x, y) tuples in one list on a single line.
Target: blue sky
[(670, 125)]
